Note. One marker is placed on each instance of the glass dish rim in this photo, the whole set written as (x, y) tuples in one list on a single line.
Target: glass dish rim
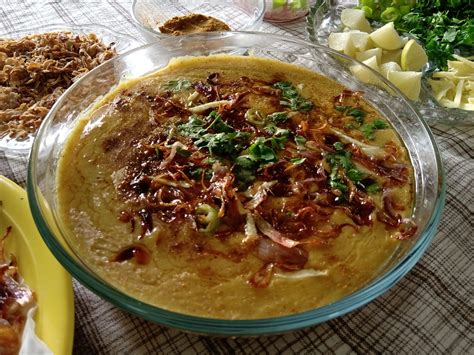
[(202, 325), (311, 35), (129, 41), (160, 35)]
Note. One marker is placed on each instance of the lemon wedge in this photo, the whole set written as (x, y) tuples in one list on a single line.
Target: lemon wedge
[(360, 39), (338, 40), (355, 20), (392, 56), (342, 42), (387, 37), (369, 53), (413, 56), (388, 67), (409, 83), (365, 75)]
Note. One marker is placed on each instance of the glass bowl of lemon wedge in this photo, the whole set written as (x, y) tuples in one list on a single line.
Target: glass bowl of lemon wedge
[(445, 97)]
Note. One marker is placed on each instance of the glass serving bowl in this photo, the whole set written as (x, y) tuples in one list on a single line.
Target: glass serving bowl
[(279, 11), (47, 148), (240, 15), (121, 42), (325, 17)]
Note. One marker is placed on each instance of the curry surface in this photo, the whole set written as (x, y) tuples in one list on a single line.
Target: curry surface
[(180, 275)]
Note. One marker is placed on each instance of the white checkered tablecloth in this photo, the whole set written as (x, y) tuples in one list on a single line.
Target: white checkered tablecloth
[(430, 311)]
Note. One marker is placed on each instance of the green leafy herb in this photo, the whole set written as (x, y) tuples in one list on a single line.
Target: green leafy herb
[(218, 124), (177, 85), (225, 141), (292, 98), (278, 117), (183, 152), (369, 128), (297, 161), (277, 131), (354, 174), (335, 180), (357, 113), (223, 144), (197, 173), (373, 188), (300, 141), (261, 152), (342, 108), (193, 128), (338, 146), (342, 160), (245, 168), (444, 27), (158, 153)]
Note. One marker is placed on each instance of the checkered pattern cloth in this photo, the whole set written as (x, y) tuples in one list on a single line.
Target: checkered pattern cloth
[(430, 311)]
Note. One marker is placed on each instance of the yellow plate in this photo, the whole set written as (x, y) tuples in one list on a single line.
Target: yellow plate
[(52, 284)]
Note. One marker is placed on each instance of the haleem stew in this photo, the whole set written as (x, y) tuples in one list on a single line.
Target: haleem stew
[(235, 188)]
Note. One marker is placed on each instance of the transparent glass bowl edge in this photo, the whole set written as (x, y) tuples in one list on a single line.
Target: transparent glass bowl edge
[(323, 18), (224, 327)]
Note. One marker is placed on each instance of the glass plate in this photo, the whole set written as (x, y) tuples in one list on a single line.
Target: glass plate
[(324, 18), (122, 43)]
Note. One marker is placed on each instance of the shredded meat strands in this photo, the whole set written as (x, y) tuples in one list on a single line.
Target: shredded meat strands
[(287, 206), (35, 70)]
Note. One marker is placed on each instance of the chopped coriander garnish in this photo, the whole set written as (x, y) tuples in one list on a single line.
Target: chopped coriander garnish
[(224, 142), (177, 85), (300, 141), (342, 160), (197, 173), (158, 153), (218, 124), (357, 113), (335, 181), (369, 128), (278, 117), (292, 98), (342, 108), (297, 161), (245, 168), (262, 152), (338, 146), (183, 152), (354, 174), (373, 188), (193, 128)]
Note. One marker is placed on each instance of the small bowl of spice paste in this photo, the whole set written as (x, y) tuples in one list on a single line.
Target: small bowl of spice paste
[(158, 19)]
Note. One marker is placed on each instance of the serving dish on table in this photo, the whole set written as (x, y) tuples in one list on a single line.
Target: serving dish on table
[(239, 15), (52, 136), (325, 17), (119, 41), (52, 285)]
